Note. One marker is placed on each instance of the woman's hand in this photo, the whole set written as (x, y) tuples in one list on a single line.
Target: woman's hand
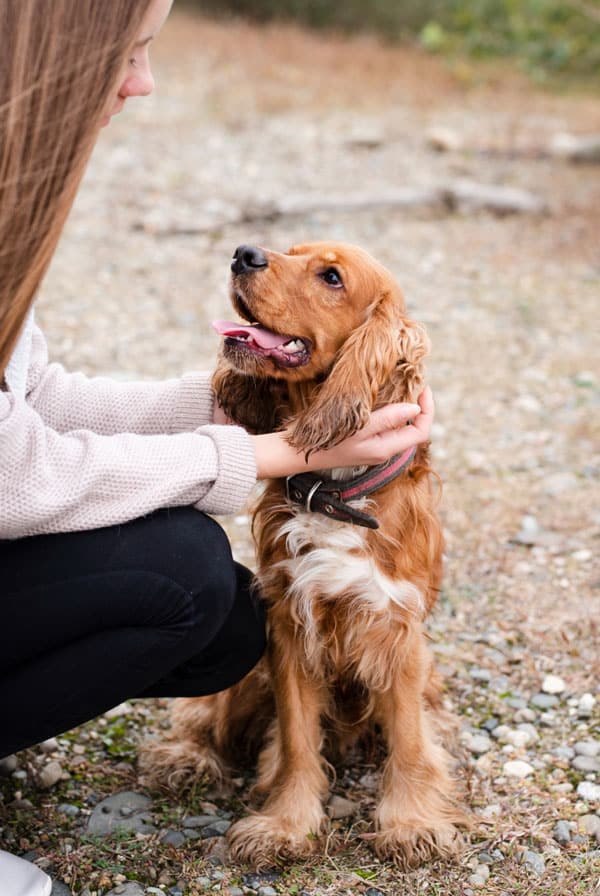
[(385, 435)]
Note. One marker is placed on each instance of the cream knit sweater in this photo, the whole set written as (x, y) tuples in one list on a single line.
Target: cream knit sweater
[(81, 453)]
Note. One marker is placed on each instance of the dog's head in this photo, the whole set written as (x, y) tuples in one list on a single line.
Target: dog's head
[(325, 340)]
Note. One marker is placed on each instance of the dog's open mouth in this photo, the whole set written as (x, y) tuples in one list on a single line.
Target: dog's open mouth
[(286, 351)]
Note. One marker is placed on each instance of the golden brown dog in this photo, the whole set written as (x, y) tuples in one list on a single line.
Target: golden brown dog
[(327, 340)]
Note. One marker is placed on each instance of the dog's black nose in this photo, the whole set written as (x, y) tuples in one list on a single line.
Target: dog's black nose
[(247, 259)]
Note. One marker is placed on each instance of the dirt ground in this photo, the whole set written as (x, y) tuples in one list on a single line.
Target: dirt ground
[(244, 115)]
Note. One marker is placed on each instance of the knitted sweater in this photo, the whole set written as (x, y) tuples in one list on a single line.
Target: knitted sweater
[(80, 453)]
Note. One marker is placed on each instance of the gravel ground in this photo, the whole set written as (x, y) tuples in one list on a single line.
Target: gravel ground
[(243, 116)]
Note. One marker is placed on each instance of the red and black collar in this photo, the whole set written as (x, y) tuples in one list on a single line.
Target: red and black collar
[(320, 494)]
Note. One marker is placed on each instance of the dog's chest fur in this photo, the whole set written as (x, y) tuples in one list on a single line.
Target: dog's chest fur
[(331, 581)]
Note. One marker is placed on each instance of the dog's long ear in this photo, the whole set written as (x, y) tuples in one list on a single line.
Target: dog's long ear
[(381, 355), (257, 404)]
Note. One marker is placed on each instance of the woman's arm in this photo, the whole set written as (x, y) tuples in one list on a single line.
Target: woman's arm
[(59, 482), (68, 401)]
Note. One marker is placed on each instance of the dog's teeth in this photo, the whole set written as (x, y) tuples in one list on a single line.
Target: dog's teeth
[(294, 345)]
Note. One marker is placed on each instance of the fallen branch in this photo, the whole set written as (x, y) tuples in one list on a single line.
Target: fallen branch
[(450, 196)]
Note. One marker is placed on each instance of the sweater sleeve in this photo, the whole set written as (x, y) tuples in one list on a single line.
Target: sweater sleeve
[(69, 401), (59, 482)]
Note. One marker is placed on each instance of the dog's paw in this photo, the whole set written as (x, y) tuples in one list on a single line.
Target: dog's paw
[(408, 846), (261, 839), (179, 765)]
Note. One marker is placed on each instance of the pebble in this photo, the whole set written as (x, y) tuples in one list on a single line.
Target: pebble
[(587, 747), (234, 891), (8, 765), (373, 891), (534, 861), (267, 891), (68, 809), (216, 829), (126, 811), (544, 701), (254, 880), (117, 711), (131, 888), (480, 876), (562, 832), (586, 764), (49, 746), (552, 684), (338, 807), (199, 821), (589, 791), (173, 838), (517, 768), (585, 706), (590, 825), (480, 674), (50, 775), (477, 743), (564, 752)]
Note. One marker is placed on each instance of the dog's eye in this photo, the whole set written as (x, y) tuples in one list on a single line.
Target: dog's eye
[(331, 277)]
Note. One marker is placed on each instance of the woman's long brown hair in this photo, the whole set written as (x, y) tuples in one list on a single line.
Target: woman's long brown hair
[(60, 61)]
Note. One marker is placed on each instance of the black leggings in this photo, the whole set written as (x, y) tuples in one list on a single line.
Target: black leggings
[(156, 607)]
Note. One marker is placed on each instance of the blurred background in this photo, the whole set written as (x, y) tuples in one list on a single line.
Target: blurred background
[(459, 143)]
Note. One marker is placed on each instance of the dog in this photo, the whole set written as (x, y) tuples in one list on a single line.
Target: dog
[(349, 565)]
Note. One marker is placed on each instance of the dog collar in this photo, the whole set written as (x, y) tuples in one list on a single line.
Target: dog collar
[(320, 494)]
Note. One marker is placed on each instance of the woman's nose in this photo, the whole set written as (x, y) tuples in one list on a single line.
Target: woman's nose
[(138, 83)]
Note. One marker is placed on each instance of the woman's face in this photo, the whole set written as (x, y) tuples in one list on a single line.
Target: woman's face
[(136, 79)]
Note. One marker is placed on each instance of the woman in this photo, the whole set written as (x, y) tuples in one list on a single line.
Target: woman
[(115, 583)]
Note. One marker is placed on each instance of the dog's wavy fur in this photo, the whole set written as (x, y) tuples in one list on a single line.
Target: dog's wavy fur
[(346, 605)]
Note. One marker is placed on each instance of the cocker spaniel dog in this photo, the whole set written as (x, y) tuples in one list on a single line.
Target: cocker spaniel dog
[(349, 564)]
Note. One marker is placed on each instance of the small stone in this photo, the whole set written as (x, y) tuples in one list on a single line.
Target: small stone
[(491, 811), (121, 710), (338, 807), (524, 715), (499, 733), (590, 825), (562, 832), (199, 821), (444, 139), (517, 768), (216, 829), (108, 815), (564, 752), (373, 891), (591, 857), (131, 888), (586, 764), (49, 746), (478, 674), (50, 775), (552, 684), (534, 861), (173, 838), (587, 747), (585, 706), (257, 879), (518, 739), (544, 701), (68, 809), (191, 834), (234, 891), (267, 891), (8, 765), (558, 483), (478, 744), (589, 791)]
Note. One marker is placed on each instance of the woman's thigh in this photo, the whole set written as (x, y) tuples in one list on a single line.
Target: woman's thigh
[(171, 570)]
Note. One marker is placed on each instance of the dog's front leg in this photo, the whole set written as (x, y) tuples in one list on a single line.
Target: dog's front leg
[(417, 816), (291, 768)]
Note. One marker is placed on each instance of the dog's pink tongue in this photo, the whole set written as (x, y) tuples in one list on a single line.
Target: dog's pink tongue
[(264, 338)]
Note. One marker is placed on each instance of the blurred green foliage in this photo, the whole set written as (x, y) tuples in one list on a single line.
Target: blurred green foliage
[(546, 36)]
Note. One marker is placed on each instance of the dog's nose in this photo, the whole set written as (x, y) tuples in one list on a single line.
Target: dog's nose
[(247, 259)]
